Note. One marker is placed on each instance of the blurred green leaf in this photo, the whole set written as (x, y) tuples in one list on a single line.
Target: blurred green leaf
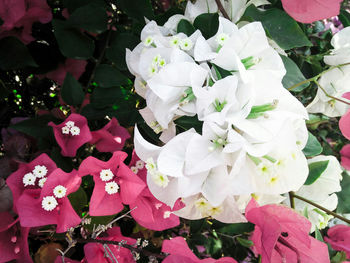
[(280, 27), (36, 127), (185, 27), (197, 225), (107, 76), (92, 17), (313, 146), (207, 23), (293, 75), (101, 98), (71, 41), (315, 171), (237, 228), (138, 9), (62, 162), (245, 242), (14, 54), (78, 200), (344, 17), (318, 235), (344, 195), (72, 91)]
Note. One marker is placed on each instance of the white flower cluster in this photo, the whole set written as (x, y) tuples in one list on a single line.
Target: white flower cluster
[(70, 128), (336, 81), (253, 129), (49, 203), (107, 175), (39, 172)]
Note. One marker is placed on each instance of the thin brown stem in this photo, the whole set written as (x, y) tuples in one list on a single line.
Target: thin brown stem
[(321, 207), (330, 96), (222, 9), (291, 200)]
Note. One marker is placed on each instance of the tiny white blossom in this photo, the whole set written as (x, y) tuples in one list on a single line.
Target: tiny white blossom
[(60, 191), (49, 203), (186, 44), (106, 175), (150, 165), (148, 41), (65, 130), (134, 169), (29, 179), (161, 63), (160, 179), (75, 130), (144, 243), (156, 59), (174, 41), (112, 188), (70, 124), (167, 214), (42, 182), (40, 171), (153, 69), (221, 38), (140, 164)]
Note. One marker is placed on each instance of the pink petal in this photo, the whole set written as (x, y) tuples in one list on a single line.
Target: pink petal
[(339, 238), (345, 156), (308, 11), (344, 125)]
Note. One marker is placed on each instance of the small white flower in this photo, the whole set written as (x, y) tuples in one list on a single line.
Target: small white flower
[(160, 179), (60, 191), (148, 41), (29, 179), (140, 164), (42, 182), (40, 171), (156, 59), (65, 130), (106, 175), (112, 188), (49, 203), (167, 214), (161, 63), (70, 124), (221, 38), (174, 41), (186, 44), (75, 130), (134, 169), (150, 165), (153, 69)]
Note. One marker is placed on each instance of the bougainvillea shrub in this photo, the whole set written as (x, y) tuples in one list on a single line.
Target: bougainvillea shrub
[(175, 131)]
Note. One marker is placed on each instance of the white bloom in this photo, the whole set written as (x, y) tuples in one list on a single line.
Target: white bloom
[(112, 188), (341, 52), (175, 41), (65, 130), (29, 179), (140, 164), (40, 171), (49, 203), (148, 41), (159, 179), (134, 169), (60, 191), (42, 182), (221, 38), (70, 124), (75, 130), (186, 44), (106, 175)]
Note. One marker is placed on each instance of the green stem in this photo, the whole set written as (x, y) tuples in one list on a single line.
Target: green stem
[(330, 96), (320, 207)]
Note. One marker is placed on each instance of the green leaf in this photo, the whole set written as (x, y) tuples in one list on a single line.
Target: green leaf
[(318, 235), (197, 225), (116, 50), (99, 220), (14, 54), (315, 171), (185, 27), (293, 75), (71, 41), (208, 24), (101, 98), (107, 76), (344, 17), (245, 242), (339, 257), (78, 200), (280, 27), (36, 127), (315, 120), (313, 146), (62, 162), (344, 195), (72, 5), (187, 123), (72, 92), (237, 228), (138, 9), (92, 17)]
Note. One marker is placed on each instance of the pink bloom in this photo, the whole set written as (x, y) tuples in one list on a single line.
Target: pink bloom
[(74, 66), (66, 260), (345, 156), (13, 240), (51, 205), (71, 134), (115, 184), (180, 252), (19, 16), (339, 238), (308, 11), (28, 176), (150, 212), (281, 235), (96, 253), (111, 137), (344, 125)]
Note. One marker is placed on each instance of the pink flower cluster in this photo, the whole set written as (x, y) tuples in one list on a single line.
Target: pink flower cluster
[(19, 16)]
